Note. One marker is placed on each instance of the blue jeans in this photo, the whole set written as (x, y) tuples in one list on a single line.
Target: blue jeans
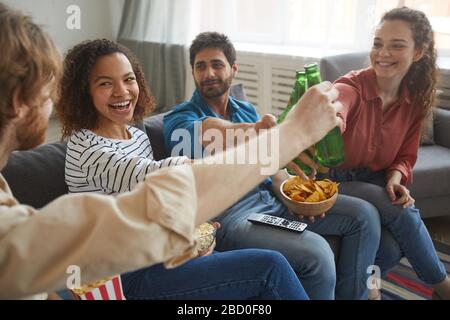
[(240, 274), (405, 224), (308, 253)]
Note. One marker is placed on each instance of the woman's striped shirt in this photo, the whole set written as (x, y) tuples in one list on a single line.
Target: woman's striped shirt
[(110, 166)]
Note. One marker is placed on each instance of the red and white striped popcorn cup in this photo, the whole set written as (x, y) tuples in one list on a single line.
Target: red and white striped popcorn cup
[(108, 289)]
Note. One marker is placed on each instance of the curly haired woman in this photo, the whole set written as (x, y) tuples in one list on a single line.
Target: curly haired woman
[(384, 107)]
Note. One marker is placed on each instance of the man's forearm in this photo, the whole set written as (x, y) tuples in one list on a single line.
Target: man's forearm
[(222, 126), (219, 186)]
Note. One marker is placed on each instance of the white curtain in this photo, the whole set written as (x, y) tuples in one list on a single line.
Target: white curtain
[(162, 21), (158, 32)]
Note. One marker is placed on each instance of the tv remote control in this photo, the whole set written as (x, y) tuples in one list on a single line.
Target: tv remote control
[(292, 225)]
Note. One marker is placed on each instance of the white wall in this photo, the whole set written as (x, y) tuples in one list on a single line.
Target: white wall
[(99, 18)]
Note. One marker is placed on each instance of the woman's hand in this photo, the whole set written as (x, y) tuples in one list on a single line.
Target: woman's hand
[(306, 158), (397, 192), (311, 219)]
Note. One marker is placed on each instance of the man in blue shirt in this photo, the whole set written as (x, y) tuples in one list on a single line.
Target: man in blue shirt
[(213, 62)]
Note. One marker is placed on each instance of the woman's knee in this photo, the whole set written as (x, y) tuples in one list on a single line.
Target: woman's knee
[(317, 256), (363, 213), (265, 257)]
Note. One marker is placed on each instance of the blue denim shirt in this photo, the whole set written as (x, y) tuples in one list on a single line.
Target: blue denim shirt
[(189, 116)]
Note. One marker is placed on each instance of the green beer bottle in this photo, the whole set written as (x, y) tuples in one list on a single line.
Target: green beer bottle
[(330, 150), (297, 92)]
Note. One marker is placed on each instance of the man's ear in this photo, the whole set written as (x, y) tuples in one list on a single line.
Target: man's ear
[(18, 106), (234, 70)]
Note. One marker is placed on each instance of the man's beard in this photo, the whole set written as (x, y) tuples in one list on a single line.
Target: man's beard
[(33, 131), (214, 92)]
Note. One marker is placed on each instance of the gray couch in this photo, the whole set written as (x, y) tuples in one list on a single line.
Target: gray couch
[(431, 181)]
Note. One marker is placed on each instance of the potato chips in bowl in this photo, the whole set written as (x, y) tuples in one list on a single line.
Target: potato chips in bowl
[(309, 197)]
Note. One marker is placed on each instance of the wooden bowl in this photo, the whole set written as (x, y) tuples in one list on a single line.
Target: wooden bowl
[(308, 209)]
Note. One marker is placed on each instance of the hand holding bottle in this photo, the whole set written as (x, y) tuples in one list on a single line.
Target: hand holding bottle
[(318, 102), (268, 121)]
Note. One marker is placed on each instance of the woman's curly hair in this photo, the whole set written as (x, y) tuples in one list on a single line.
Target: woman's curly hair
[(421, 78), (75, 108)]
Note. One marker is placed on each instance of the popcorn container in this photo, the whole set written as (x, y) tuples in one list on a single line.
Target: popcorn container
[(106, 289)]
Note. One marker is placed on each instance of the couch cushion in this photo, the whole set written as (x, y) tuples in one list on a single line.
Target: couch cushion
[(442, 127), (36, 176), (237, 91), (154, 129), (432, 172), (427, 134)]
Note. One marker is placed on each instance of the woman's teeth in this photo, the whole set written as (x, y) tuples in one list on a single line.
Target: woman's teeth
[(386, 64), (121, 105)]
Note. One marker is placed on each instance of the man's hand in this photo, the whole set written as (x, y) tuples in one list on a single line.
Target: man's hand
[(394, 188), (267, 121), (315, 114)]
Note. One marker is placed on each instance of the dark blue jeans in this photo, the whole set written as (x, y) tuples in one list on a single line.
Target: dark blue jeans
[(240, 274), (354, 220), (407, 234)]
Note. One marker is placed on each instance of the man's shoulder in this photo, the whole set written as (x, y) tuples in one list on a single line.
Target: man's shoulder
[(246, 105), (245, 111), (183, 114), (186, 106)]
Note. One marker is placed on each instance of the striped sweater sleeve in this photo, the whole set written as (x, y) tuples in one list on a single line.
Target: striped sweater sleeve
[(95, 164)]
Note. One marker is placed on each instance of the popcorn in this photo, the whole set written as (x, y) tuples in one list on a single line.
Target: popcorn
[(205, 234)]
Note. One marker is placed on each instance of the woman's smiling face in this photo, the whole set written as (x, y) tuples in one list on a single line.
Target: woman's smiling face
[(393, 49), (114, 90)]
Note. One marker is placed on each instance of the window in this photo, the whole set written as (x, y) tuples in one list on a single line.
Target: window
[(344, 25), (438, 12)]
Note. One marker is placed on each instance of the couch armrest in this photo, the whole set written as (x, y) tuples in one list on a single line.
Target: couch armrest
[(154, 129), (442, 127), (36, 176)]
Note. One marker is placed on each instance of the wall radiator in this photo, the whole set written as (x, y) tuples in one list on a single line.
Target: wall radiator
[(268, 80)]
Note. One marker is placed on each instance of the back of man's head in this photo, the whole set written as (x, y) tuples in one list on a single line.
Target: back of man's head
[(28, 61), (212, 40)]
